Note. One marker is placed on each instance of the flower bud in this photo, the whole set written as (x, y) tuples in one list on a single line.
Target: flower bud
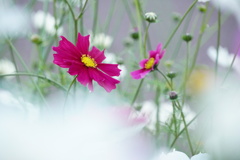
[(173, 95), (176, 17), (151, 17), (202, 8), (171, 75), (135, 34), (187, 37), (36, 39)]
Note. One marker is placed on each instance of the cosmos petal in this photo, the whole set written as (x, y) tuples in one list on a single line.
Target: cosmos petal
[(97, 55), (83, 43), (110, 69), (139, 74)]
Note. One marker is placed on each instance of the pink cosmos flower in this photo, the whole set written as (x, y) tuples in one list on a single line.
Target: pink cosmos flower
[(147, 65), (87, 65)]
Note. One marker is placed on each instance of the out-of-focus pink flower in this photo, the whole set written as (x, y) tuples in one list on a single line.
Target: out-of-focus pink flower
[(147, 65), (87, 65)]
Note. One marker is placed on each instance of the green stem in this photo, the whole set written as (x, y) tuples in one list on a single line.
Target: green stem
[(145, 41), (203, 27), (180, 133), (185, 126), (69, 88), (218, 42), (109, 18), (186, 75), (95, 18), (82, 11), (129, 13), (169, 83), (229, 69), (137, 92), (15, 64), (26, 68), (139, 20), (38, 76), (180, 22)]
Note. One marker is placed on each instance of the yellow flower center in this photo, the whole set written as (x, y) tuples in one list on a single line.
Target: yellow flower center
[(149, 63), (88, 61)]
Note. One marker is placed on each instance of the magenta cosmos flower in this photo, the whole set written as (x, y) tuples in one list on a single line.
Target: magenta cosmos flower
[(87, 65), (147, 65)]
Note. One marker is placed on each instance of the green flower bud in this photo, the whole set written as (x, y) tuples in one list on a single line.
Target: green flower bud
[(36, 39), (171, 75), (202, 8), (187, 37), (135, 34), (177, 17), (151, 17)]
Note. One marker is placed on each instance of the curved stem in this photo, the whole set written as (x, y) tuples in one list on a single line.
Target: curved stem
[(38, 76), (27, 69), (69, 88), (180, 22), (137, 92), (82, 11), (169, 83)]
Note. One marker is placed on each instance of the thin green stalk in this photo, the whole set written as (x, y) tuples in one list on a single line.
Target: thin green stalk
[(169, 83), (109, 17), (186, 74), (71, 10), (15, 64), (218, 42), (95, 18), (27, 69), (139, 20), (180, 133), (174, 120), (82, 11), (129, 13), (137, 92), (202, 30), (145, 41), (180, 22), (69, 88), (38, 76), (185, 126), (230, 68)]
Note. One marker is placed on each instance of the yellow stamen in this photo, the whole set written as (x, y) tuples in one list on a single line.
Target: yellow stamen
[(88, 61), (149, 63)]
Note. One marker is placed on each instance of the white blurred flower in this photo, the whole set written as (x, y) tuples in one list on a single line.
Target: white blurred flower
[(111, 58), (19, 105), (6, 67), (224, 57), (176, 155), (102, 41), (14, 21), (220, 121), (88, 134), (149, 109), (47, 22), (231, 6)]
